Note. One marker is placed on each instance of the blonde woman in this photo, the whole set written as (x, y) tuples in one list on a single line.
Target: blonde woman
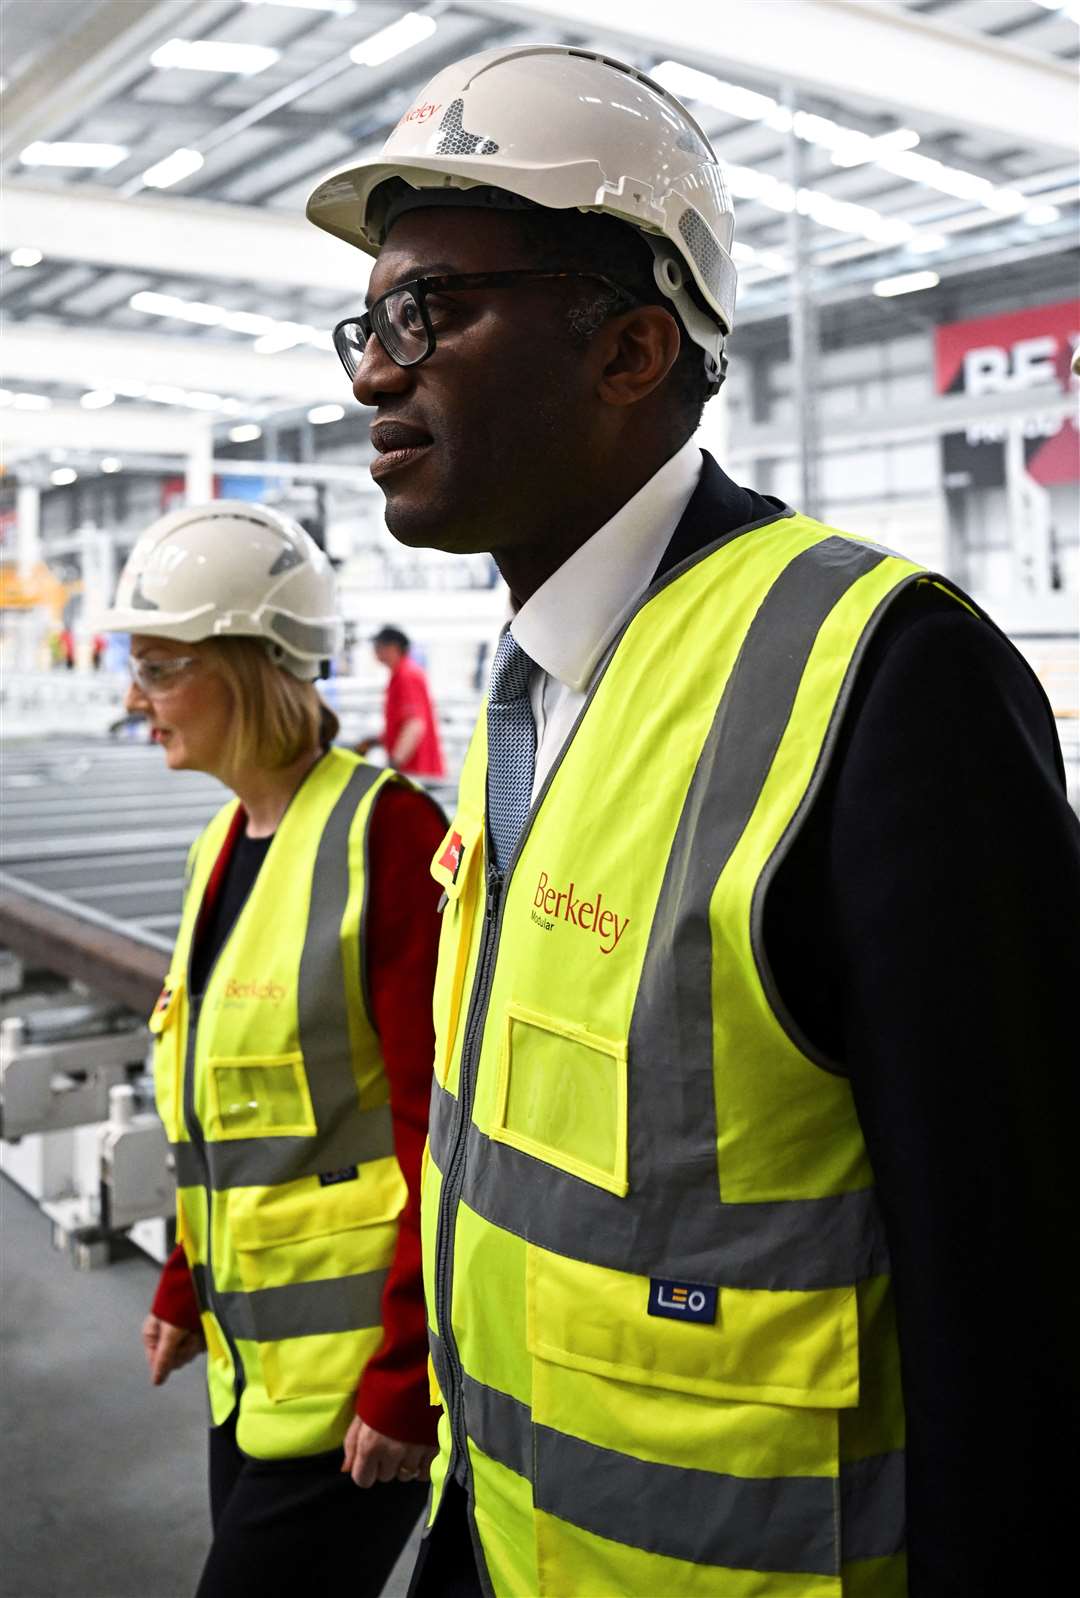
[(292, 1064)]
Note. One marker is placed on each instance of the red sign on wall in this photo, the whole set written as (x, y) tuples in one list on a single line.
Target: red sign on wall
[(1026, 353)]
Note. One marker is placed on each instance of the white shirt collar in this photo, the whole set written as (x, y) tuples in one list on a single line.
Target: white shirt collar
[(570, 620)]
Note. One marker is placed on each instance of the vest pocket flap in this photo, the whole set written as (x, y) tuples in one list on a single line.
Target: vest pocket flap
[(789, 1348), (455, 858), (316, 1206)]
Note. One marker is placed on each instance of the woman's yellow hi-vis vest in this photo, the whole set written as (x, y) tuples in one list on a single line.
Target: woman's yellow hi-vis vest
[(657, 1283), (276, 1106)]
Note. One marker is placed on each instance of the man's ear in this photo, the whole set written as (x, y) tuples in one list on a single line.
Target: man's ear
[(638, 350)]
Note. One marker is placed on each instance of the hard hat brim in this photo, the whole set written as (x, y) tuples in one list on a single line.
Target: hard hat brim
[(341, 204)]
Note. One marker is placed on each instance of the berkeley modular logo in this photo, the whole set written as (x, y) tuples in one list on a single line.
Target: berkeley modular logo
[(567, 904)]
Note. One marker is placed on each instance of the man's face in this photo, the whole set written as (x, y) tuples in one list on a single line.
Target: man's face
[(480, 443)]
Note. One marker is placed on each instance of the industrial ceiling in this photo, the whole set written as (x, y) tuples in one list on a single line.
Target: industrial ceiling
[(156, 157)]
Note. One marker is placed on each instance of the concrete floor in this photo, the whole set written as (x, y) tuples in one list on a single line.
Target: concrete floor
[(102, 1478)]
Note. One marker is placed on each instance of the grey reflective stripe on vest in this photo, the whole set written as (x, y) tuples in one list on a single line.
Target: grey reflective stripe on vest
[(800, 1524), (772, 1523), (266, 1161), (674, 1221), (300, 1309), (500, 1425), (320, 992), (793, 1245)]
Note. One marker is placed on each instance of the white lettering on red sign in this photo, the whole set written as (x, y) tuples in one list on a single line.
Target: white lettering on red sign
[(998, 369)]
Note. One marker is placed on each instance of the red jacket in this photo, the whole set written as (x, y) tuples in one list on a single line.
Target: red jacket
[(401, 943)]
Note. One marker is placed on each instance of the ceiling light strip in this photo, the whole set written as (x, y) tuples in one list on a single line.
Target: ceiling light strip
[(892, 151)]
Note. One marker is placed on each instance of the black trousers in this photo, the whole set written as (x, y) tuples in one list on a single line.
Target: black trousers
[(291, 1526), (446, 1567)]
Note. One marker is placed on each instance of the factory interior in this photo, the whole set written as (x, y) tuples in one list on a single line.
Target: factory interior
[(906, 187)]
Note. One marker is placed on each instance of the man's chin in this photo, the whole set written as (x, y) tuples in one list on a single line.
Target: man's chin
[(426, 527)]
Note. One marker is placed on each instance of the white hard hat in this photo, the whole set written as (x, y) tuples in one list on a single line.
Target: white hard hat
[(566, 129), (232, 570)]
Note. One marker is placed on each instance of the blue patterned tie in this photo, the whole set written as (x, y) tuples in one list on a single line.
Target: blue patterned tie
[(511, 747)]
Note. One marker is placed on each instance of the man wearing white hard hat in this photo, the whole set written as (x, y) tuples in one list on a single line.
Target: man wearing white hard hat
[(292, 1063), (747, 1165)]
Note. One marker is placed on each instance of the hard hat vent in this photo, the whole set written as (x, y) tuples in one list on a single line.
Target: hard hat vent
[(693, 144), (717, 272), (298, 635), (456, 140), (141, 601), (289, 558)]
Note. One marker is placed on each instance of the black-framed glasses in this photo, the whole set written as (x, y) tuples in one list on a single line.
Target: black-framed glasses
[(407, 326)]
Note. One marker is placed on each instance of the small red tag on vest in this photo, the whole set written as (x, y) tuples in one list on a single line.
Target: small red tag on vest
[(453, 855)]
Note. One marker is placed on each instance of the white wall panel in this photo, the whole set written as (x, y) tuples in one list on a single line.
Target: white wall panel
[(853, 474), (914, 467)]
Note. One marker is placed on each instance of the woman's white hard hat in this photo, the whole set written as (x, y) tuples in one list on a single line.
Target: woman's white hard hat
[(566, 129), (232, 569)]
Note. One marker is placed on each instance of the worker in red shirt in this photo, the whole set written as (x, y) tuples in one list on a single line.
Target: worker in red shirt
[(410, 735)]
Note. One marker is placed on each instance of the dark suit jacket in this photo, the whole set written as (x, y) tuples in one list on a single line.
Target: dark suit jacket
[(925, 930)]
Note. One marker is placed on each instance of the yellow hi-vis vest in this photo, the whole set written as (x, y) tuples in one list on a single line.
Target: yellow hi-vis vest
[(658, 1292), (276, 1105)]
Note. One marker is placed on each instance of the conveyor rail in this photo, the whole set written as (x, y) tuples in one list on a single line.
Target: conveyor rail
[(50, 932), (92, 854)]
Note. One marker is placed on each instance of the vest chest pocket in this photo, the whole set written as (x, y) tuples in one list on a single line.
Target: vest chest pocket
[(561, 1097), (258, 1096)]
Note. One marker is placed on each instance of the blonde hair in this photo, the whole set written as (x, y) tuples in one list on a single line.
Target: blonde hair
[(277, 717)]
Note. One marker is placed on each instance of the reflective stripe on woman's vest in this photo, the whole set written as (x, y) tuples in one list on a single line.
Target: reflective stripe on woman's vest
[(671, 1364), (276, 1105)]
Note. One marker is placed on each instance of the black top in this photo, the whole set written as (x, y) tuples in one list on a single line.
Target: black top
[(241, 870), (924, 932)]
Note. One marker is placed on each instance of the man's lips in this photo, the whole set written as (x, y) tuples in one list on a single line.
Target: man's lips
[(398, 444), (391, 438)]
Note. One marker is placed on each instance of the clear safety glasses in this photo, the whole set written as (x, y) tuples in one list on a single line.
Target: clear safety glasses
[(159, 676), (407, 319)]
